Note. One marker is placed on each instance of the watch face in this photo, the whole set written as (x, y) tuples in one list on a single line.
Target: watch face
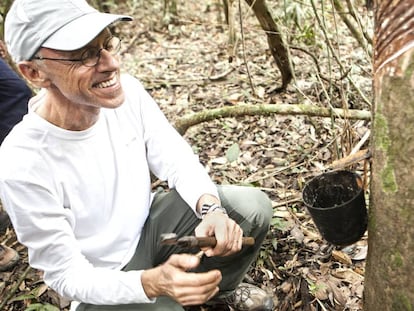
[(206, 208)]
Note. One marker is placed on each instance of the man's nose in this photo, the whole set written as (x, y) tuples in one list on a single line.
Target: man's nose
[(105, 58)]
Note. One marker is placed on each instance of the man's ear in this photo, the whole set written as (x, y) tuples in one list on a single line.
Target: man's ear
[(31, 71)]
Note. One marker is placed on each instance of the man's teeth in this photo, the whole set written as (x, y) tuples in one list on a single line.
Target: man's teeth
[(106, 83)]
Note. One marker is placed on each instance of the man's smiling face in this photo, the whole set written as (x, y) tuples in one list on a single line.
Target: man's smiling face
[(98, 86)]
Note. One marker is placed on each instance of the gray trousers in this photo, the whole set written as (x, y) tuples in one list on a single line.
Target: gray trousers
[(248, 206)]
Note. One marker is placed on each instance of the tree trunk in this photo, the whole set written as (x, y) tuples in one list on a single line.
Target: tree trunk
[(274, 39), (389, 274), (229, 13), (170, 12)]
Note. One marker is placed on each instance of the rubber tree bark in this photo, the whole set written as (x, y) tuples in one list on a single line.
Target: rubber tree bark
[(390, 264)]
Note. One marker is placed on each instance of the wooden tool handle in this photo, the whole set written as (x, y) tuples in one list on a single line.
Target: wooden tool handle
[(211, 241), (248, 241)]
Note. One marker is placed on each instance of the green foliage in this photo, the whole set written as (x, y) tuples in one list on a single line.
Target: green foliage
[(32, 300), (402, 303), (307, 35), (41, 307), (314, 287), (267, 250), (299, 19), (279, 224), (270, 246), (232, 154), (28, 296), (295, 12)]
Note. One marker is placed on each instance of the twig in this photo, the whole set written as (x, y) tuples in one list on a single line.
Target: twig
[(315, 60), (355, 33), (244, 50), (222, 75), (132, 41), (287, 202), (361, 142), (321, 304), (335, 56), (354, 14)]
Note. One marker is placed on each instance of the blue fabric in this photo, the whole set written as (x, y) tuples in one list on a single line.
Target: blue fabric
[(14, 95)]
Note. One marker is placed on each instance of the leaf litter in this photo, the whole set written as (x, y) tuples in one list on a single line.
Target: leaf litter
[(185, 66)]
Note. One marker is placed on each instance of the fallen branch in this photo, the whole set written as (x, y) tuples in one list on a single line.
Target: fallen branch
[(184, 123), (351, 159)]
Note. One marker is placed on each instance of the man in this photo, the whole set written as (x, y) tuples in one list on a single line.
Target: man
[(75, 178), (14, 96)]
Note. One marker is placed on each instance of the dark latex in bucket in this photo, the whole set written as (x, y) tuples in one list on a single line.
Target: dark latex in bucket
[(336, 203)]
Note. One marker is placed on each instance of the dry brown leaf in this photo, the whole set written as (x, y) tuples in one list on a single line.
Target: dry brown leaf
[(341, 257), (347, 275), (321, 290), (297, 234), (40, 290), (286, 287)]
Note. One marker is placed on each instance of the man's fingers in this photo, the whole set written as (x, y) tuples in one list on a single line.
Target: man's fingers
[(189, 288), (227, 232), (184, 261), (196, 295), (229, 241), (198, 299)]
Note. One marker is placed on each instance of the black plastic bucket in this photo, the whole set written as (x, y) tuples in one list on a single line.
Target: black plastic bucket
[(336, 203)]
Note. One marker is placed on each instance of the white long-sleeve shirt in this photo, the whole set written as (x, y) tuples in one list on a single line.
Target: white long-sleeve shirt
[(78, 199)]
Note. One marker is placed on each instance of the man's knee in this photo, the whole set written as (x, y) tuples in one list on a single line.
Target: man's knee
[(250, 203)]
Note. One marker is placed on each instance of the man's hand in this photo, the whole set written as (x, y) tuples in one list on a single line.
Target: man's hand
[(172, 279), (228, 234)]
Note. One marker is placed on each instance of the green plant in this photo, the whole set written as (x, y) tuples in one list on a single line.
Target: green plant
[(279, 223), (232, 154), (4, 8), (41, 307), (32, 300)]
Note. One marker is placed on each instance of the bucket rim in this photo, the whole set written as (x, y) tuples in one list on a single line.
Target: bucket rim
[(360, 189)]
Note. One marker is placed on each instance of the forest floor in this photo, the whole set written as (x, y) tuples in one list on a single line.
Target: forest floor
[(185, 65)]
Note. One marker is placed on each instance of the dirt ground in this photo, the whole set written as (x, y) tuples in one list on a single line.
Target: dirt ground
[(185, 65)]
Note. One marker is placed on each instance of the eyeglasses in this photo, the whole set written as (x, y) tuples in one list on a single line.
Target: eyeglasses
[(91, 56)]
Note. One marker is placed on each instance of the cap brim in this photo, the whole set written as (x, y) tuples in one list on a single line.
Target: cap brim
[(81, 31)]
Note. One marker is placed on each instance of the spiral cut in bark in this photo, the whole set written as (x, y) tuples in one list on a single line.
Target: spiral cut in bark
[(394, 29)]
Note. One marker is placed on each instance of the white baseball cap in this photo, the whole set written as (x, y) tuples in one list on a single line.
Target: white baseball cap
[(64, 25)]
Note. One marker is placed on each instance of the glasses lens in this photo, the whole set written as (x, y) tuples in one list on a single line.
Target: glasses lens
[(113, 45), (90, 57)]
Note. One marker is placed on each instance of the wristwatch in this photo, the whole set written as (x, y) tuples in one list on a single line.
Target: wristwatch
[(207, 208)]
